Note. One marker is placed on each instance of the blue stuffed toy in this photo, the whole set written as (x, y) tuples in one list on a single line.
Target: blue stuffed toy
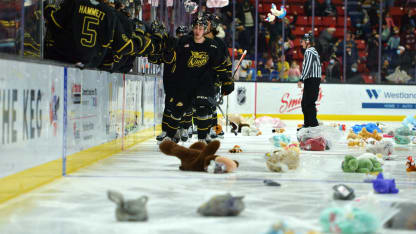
[(279, 140), (382, 185)]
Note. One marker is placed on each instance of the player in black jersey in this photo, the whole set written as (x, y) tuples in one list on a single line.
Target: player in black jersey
[(114, 62), (223, 85), (168, 82), (197, 59), (83, 30)]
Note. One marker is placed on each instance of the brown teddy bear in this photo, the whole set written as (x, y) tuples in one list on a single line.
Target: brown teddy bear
[(199, 157)]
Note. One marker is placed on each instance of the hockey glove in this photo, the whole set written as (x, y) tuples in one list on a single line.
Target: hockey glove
[(227, 88)]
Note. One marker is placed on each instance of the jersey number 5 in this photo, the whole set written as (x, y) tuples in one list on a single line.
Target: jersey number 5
[(89, 35)]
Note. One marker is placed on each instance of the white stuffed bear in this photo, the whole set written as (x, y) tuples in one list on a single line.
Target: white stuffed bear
[(283, 160)]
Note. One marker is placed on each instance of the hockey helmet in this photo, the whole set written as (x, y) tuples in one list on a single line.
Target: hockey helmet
[(200, 20), (307, 37), (182, 29)]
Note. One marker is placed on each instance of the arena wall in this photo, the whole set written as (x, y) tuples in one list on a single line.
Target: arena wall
[(335, 101), (56, 119)]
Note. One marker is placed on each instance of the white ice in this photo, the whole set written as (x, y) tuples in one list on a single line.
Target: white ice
[(78, 203)]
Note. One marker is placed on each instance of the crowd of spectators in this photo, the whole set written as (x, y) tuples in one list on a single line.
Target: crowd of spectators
[(279, 54)]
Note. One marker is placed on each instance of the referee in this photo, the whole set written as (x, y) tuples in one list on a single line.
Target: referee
[(311, 77)]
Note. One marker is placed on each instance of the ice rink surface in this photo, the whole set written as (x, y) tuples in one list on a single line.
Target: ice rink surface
[(78, 203)]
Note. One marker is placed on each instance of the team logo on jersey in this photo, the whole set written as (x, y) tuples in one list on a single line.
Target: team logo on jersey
[(198, 59), (241, 95)]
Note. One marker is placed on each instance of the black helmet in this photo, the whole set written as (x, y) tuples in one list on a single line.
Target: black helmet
[(214, 19), (200, 20), (182, 29), (307, 37)]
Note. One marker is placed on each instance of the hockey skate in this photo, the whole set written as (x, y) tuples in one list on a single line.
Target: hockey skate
[(184, 135), (212, 133), (206, 140), (161, 136), (177, 137), (190, 132)]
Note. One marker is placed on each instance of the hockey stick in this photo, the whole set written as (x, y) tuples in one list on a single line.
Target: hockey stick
[(239, 63)]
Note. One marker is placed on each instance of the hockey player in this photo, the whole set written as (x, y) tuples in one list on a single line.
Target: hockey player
[(200, 61), (81, 31), (223, 85), (168, 83)]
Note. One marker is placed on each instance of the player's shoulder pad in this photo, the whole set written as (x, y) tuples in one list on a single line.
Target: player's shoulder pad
[(184, 40), (212, 43)]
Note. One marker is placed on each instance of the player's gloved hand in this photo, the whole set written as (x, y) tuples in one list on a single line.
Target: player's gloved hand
[(140, 27), (227, 88)]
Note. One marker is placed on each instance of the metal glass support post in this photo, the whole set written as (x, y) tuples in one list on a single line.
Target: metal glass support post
[(344, 60), (380, 22)]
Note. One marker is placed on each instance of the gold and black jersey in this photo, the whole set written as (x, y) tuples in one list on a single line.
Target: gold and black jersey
[(195, 60), (86, 29)]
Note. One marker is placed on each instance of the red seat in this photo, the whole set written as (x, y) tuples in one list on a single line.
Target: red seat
[(296, 8), (340, 10), (299, 31), (338, 2), (340, 22), (302, 20), (396, 11), (318, 21), (329, 21)]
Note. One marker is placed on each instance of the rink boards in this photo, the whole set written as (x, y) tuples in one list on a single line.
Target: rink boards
[(55, 120), (335, 101)]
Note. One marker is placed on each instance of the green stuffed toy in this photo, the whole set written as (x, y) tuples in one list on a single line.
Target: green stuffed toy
[(364, 164)]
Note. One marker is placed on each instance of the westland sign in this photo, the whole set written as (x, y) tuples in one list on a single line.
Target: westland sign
[(290, 103)]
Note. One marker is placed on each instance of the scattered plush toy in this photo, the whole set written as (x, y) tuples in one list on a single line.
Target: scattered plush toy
[(222, 205), (361, 165), (284, 159), (409, 121), (385, 148), (329, 134), (199, 156), (218, 129), (313, 144), (237, 122), (250, 131), (236, 149), (271, 183), (348, 220), (364, 134), (402, 140), (410, 164), (267, 121), (278, 130), (280, 140), (131, 210), (356, 142), (405, 219), (274, 12), (382, 185), (343, 192), (281, 227), (413, 140), (190, 6), (404, 131), (352, 135), (370, 127)]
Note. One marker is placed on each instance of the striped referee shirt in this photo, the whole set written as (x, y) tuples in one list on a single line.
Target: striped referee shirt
[(311, 67)]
